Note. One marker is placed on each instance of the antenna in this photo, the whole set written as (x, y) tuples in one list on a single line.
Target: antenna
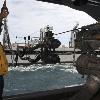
[(73, 36), (4, 7)]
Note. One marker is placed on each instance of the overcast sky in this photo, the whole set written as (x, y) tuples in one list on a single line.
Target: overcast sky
[(26, 17)]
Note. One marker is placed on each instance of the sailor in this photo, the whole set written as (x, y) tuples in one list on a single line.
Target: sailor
[(3, 61), (88, 63)]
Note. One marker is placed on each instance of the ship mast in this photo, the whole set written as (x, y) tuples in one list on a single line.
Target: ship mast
[(73, 36), (6, 38)]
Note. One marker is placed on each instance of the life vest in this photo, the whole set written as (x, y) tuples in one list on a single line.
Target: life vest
[(3, 62)]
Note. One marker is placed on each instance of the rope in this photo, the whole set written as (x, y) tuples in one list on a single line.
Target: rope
[(94, 3), (67, 31)]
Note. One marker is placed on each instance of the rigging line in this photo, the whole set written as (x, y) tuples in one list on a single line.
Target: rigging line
[(67, 31), (94, 3)]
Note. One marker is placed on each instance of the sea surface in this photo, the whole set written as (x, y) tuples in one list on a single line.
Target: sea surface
[(25, 79)]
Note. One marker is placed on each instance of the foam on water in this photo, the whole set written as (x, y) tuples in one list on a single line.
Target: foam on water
[(67, 68)]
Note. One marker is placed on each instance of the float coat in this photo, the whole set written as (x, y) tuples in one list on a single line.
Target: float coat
[(3, 62)]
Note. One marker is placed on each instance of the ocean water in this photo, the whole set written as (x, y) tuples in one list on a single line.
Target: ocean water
[(25, 79)]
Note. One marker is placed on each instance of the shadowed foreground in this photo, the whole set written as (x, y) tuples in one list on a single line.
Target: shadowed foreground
[(58, 94)]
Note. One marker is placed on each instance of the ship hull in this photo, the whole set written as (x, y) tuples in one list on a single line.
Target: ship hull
[(58, 94), (63, 59)]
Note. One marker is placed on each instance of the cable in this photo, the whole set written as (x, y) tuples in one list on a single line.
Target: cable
[(94, 3), (67, 31)]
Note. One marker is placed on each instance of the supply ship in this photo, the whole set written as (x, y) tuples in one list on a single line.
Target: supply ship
[(39, 50)]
